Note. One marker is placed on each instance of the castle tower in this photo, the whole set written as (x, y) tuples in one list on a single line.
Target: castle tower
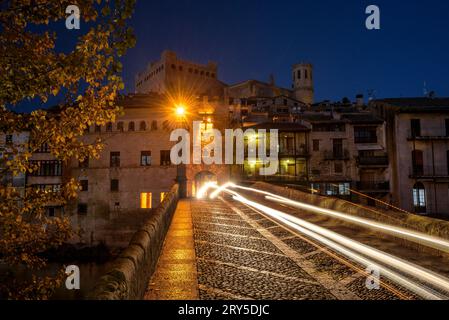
[(303, 82)]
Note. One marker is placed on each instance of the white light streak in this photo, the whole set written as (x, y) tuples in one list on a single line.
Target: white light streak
[(203, 190), (418, 237), (344, 246), (217, 191)]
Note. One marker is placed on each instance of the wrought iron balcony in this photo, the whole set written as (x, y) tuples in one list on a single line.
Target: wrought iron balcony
[(302, 151), (276, 178), (429, 172), (381, 161), (429, 134)]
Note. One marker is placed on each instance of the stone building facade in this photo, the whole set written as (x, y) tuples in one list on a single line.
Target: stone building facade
[(176, 76), (330, 148), (338, 148), (418, 145)]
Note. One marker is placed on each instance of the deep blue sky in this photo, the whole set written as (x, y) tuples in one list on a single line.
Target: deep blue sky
[(251, 39)]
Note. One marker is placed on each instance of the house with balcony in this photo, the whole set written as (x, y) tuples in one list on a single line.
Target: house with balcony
[(293, 153), (417, 134)]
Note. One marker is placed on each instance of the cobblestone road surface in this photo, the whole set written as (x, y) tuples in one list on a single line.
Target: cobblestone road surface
[(242, 254)]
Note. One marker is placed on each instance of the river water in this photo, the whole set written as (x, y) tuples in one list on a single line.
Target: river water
[(89, 273)]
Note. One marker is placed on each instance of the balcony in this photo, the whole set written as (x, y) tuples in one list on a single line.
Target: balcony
[(429, 172), (372, 139), (300, 152), (429, 134), (276, 178), (373, 161), (336, 155), (373, 186)]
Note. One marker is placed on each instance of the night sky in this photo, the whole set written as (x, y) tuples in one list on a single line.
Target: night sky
[(252, 39)]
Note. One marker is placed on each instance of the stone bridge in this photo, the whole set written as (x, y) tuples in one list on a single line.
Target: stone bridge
[(227, 249)]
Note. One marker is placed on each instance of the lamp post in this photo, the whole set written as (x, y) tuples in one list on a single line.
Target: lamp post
[(181, 178)]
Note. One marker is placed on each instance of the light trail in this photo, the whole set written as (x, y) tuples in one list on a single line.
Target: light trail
[(222, 188), (422, 292), (202, 191), (332, 239), (418, 237)]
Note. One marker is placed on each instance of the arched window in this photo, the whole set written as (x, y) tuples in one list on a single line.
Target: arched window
[(120, 126), (131, 126), (154, 125), (109, 127), (142, 126), (417, 162), (165, 125), (419, 198)]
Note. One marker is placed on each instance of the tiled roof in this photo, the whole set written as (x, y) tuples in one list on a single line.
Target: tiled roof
[(281, 126), (416, 102), (361, 118)]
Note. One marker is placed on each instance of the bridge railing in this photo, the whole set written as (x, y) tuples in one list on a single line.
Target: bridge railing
[(434, 227), (129, 274)]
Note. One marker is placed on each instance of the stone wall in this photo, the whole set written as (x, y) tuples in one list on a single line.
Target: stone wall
[(430, 226), (128, 276)]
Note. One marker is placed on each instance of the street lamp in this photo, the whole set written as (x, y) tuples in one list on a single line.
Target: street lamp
[(180, 111)]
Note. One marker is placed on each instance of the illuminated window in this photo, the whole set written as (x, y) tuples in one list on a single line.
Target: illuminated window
[(419, 197), (145, 158), (145, 200), (163, 195), (344, 189)]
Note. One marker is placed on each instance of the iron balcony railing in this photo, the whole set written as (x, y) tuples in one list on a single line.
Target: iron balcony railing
[(373, 160), (428, 134), (429, 171), (292, 151), (276, 177)]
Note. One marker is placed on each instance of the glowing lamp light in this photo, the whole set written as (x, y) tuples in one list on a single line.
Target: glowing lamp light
[(180, 110)]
